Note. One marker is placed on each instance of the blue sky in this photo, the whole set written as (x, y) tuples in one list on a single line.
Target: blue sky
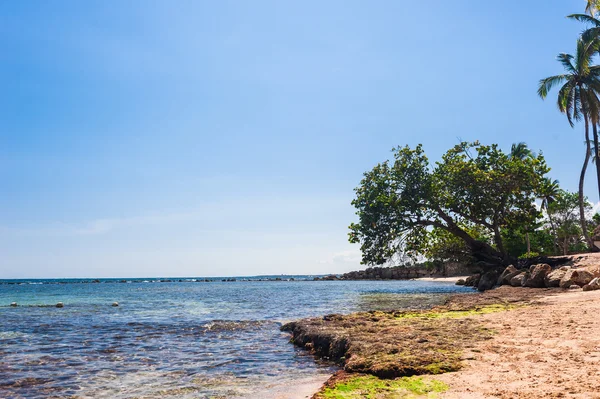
[(158, 138)]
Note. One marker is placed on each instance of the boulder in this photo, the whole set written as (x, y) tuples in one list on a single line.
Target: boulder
[(460, 282), (574, 287), (487, 281), (579, 277), (553, 278), (115, 304), (507, 274), (60, 305), (473, 281), (593, 285), (537, 275), (14, 304), (518, 280)]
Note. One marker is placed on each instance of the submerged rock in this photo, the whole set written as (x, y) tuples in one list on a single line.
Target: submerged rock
[(507, 274), (537, 276), (14, 304), (60, 305)]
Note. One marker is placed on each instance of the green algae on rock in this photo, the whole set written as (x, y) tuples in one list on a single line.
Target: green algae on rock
[(367, 386)]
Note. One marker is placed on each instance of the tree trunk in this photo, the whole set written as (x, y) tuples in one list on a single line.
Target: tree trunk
[(581, 181), (596, 155), (528, 244)]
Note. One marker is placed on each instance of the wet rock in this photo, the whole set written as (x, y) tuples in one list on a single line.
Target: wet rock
[(487, 281), (537, 276), (14, 304), (518, 280), (578, 277), (115, 304), (60, 305), (460, 282), (507, 274), (553, 278), (473, 281)]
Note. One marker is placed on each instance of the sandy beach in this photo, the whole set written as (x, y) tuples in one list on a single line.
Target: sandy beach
[(550, 349)]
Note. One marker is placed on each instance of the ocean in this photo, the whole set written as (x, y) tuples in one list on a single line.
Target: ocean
[(175, 338)]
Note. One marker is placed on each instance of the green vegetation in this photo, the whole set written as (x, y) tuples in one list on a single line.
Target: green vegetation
[(371, 387), (473, 193), (482, 205)]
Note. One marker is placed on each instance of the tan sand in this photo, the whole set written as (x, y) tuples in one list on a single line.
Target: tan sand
[(548, 350)]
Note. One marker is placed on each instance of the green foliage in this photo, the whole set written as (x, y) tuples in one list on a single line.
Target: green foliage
[(474, 187), (372, 387), (531, 254), (563, 221)]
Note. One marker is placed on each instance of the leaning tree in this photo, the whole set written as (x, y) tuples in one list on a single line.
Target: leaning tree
[(399, 203)]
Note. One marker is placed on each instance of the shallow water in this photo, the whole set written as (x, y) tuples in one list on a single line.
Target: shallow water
[(174, 339)]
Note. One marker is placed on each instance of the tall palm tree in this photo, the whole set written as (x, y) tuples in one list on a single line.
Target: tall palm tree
[(592, 33), (577, 99)]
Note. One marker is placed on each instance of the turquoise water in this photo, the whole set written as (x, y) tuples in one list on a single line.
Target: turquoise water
[(174, 339)]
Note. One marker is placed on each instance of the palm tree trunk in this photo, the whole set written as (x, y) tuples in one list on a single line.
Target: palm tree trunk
[(528, 244), (596, 155), (581, 181)]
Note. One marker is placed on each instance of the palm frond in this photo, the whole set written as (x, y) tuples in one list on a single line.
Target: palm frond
[(566, 61), (588, 19), (548, 83)]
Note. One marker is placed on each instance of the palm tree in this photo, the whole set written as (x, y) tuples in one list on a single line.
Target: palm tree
[(592, 7), (591, 34), (577, 99), (549, 190)]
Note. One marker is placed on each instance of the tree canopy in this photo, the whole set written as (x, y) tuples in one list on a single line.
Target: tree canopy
[(474, 187)]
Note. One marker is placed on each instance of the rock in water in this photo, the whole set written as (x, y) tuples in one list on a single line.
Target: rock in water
[(553, 278), (460, 282), (578, 277), (518, 280), (507, 274), (115, 304), (473, 281), (14, 304), (487, 281), (537, 276), (60, 305)]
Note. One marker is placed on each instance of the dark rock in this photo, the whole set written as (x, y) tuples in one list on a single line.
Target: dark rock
[(537, 275), (14, 305), (472, 281), (60, 305), (507, 274), (518, 280), (487, 281), (460, 282)]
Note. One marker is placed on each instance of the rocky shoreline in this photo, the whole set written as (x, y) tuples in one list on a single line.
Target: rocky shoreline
[(383, 353)]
